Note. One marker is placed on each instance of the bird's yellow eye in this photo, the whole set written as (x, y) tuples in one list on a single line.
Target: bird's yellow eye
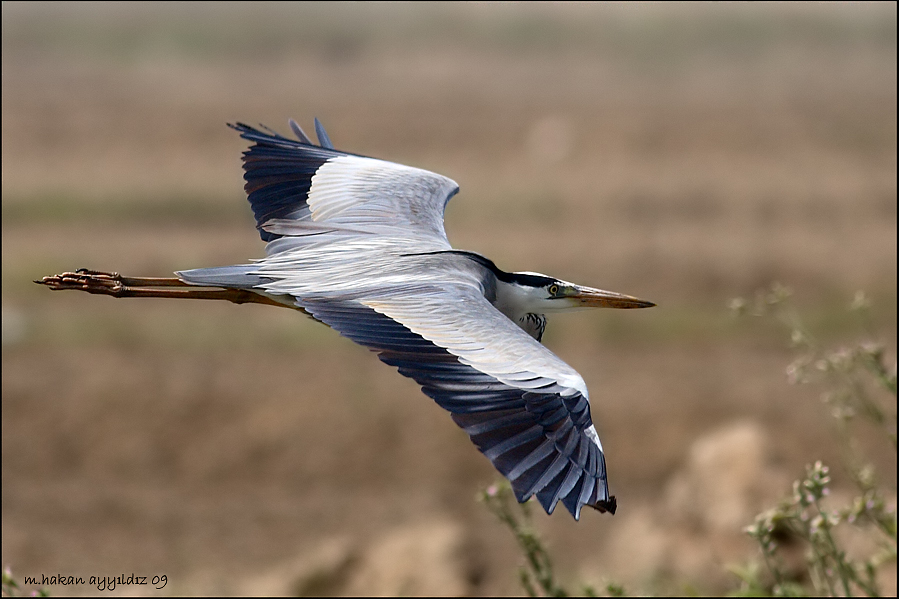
[(553, 289)]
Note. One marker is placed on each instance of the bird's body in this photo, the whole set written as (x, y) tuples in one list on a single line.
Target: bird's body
[(359, 244)]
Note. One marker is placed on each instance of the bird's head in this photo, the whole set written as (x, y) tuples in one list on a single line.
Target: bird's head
[(540, 294)]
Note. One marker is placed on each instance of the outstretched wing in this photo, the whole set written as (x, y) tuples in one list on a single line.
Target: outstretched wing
[(296, 188), (522, 406)]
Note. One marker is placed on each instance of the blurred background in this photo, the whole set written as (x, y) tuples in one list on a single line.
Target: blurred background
[(686, 154)]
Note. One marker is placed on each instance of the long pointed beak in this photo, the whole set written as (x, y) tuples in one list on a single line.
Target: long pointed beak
[(587, 297)]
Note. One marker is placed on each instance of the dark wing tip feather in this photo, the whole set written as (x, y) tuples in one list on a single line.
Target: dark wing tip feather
[(263, 134), (610, 506), (278, 172), (298, 131), (323, 139)]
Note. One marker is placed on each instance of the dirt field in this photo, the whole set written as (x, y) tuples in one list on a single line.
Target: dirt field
[(686, 155)]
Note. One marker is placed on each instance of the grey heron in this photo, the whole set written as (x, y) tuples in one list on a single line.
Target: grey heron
[(359, 244)]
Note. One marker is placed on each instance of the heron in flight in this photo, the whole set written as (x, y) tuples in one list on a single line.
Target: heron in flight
[(359, 244)]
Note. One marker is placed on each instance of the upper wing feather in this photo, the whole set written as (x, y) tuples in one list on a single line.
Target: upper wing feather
[(296, 188)]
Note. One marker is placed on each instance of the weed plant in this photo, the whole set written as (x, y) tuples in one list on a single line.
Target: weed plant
[(858, 389)]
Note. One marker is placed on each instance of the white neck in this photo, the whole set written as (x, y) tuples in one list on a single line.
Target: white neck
[(522, 305)]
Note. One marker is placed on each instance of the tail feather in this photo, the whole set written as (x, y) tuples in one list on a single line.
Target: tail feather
[(238, 276)]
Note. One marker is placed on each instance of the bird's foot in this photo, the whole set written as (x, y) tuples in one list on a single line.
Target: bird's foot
[(83, 279)]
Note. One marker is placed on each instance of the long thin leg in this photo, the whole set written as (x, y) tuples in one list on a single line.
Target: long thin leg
[(110, 283)]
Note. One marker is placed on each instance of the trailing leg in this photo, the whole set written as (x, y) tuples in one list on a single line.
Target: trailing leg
[(110, 283)]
